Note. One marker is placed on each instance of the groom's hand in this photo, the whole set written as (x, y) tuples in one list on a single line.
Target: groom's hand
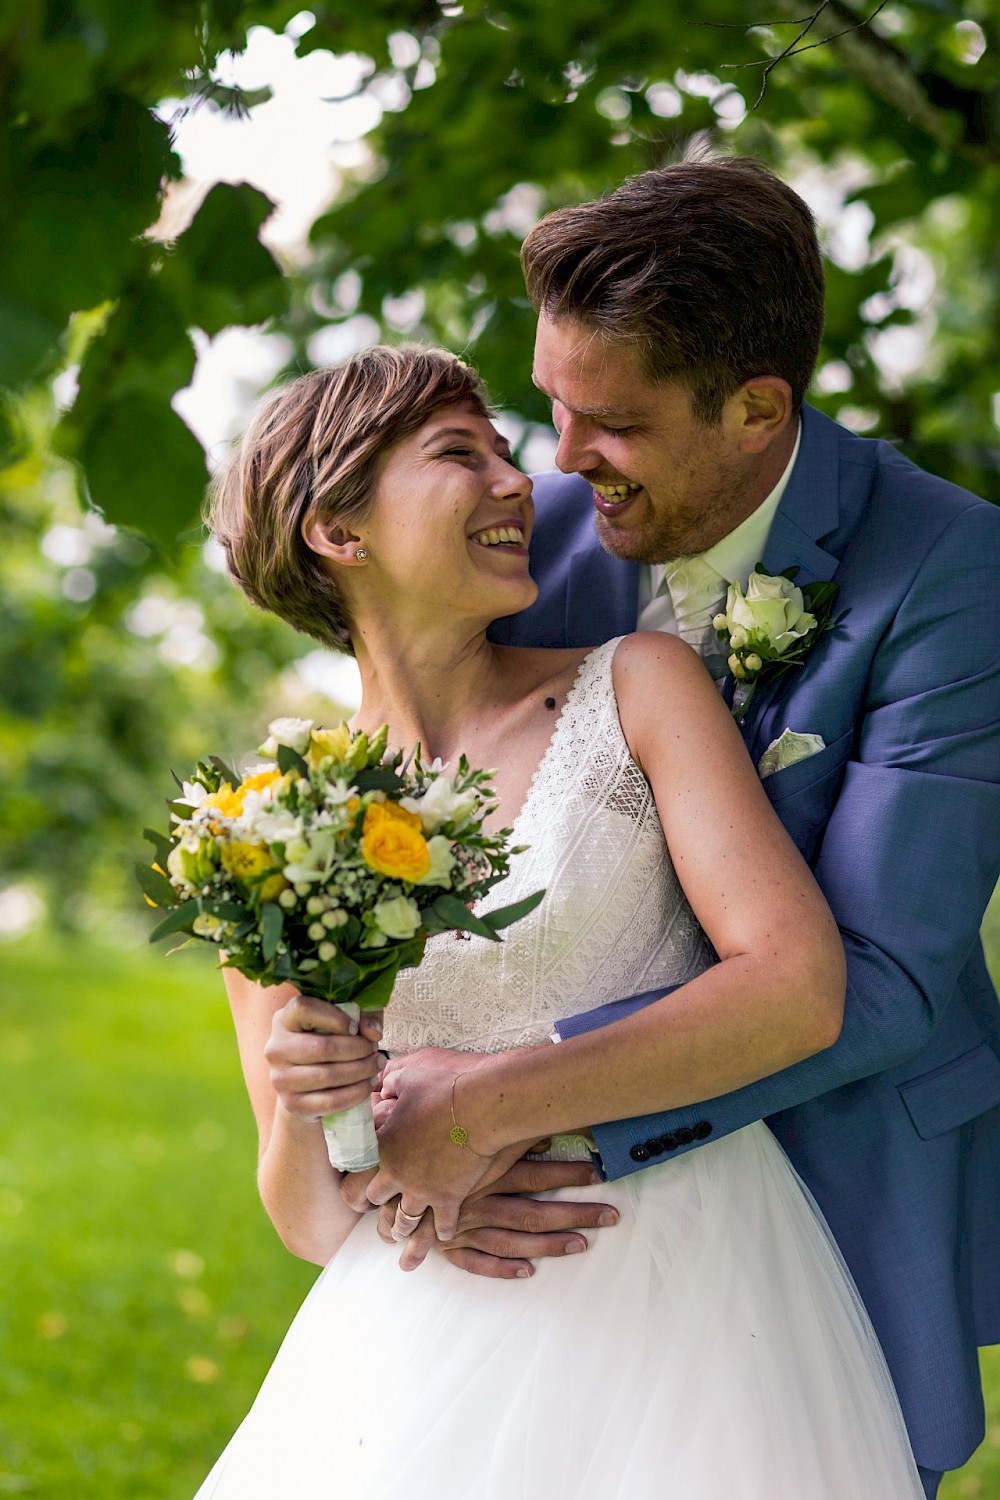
[(501, 1231)]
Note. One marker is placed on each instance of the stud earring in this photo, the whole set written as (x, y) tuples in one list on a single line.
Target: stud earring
[(362, 554)]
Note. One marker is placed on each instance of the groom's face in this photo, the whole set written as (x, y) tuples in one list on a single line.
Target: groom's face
[(664, 483)]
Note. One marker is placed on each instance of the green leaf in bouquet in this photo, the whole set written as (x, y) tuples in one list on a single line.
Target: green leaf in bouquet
[(454, 913), (226, 911), (340, 977), (155, 885), (160, 843), (224, 771), (180, 918), (411, 953), (272, 920), (507, 915), (291, 760), (375, 995), (180, 809), (378, 779)]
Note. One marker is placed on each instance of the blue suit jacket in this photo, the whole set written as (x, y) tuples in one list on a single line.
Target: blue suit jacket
[(895, 1129)]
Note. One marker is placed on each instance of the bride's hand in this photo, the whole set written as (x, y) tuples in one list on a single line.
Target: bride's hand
[(420, 1158), (318, 1064)]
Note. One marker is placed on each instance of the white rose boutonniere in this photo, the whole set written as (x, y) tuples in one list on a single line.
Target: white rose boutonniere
[(771, 628)]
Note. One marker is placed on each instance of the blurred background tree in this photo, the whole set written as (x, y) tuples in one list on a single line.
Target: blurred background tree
[(125, 650)]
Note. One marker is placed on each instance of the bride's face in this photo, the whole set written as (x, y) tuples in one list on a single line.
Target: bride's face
[(451, 521)]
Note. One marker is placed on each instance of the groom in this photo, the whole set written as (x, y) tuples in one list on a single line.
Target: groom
[(679, 323)]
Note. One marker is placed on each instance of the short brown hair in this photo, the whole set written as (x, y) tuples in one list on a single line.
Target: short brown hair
[(710, 268), (315, 445)]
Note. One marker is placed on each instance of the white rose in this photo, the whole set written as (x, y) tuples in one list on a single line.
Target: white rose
[(772, 611), (441, 804), (442, 861), (295, 733), (397, 916)]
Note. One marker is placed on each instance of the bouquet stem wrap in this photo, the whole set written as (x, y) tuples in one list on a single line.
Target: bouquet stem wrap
[(351, 1143)]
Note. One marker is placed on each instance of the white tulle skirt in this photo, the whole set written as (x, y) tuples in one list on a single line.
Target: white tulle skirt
[(711, 1346)]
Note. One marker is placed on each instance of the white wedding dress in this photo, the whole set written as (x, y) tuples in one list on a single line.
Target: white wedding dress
[(711, 1346)]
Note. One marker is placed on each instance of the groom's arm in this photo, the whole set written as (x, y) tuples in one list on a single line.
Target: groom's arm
[(911, 852)]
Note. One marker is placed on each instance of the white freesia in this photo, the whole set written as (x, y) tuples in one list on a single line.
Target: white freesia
[(441, 804), (336, 793), (276, 825), (193, 794), (397, 917), (295, 733), (442, 861), (772, 613)]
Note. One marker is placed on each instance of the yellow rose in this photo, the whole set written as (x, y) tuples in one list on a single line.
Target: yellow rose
[(244, 861), (389, 812), (393, 843), (225, 801), (230, 803), (332, 742), (258, 783)]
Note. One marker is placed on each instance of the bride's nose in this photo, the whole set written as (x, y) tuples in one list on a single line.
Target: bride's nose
[(510, 483)]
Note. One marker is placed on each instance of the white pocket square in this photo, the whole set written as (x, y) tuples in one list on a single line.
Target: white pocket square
[(787, 749)]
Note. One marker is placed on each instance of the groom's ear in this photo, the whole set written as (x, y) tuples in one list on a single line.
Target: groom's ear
[(760, 411), (329, 539)]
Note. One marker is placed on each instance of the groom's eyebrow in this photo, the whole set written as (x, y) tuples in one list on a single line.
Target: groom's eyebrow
[(588, 411)]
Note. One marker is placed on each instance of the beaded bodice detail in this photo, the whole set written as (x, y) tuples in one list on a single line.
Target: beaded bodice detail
[(614, 920)]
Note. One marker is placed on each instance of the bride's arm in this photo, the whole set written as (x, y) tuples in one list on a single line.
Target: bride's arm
[(300, 1061), (776, 996)]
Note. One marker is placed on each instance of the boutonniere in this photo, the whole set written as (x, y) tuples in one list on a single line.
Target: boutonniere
[(771, 628)]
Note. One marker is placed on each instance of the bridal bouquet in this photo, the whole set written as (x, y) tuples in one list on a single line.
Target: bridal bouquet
[(328, 866)]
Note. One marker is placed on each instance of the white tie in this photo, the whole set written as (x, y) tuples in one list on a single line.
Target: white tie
[(698, 593)]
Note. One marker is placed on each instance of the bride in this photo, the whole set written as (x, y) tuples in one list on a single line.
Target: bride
[(713, 1345)]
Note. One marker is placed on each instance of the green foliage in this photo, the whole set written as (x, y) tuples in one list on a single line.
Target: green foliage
[(559, 103), (503, 113), (83, 163), (95, 704)]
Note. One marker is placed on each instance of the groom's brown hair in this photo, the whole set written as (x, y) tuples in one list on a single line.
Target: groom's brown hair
[(709, 268)]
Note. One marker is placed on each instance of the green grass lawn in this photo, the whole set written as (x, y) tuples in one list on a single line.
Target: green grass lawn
[(145, 1292)]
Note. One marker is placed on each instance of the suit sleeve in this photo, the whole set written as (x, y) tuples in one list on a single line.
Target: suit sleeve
[(911, 851)]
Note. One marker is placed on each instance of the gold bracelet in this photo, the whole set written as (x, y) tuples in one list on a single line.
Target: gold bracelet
[(458, 1133)]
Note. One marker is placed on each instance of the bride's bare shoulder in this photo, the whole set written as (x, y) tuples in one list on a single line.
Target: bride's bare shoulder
[(656, 674)]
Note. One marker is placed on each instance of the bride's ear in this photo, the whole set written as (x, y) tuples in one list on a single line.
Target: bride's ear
[(333, 541)]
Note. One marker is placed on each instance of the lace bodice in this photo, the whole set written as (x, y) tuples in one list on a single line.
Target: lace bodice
[(614, 920)]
